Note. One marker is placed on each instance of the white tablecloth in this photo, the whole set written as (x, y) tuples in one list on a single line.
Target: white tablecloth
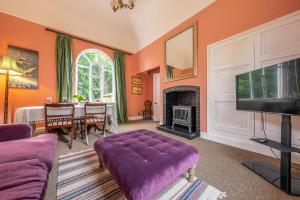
[(30, 115)]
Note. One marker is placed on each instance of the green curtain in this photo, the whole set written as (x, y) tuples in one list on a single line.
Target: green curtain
[(121, 102), (63, 67)]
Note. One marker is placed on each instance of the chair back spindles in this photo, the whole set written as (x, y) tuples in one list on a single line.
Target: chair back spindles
[(58, 116), (147, 112), (94, 115)]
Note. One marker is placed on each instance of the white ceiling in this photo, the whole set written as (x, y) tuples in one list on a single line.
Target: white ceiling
[(130, 30)]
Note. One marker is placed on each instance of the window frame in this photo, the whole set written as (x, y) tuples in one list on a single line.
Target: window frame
[(101, 74)]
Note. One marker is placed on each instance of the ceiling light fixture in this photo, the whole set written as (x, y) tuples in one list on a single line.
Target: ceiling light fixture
[(118, 4)]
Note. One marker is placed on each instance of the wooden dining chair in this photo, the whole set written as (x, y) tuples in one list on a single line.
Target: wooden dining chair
[(147, 112), (60, 116), (94, 115)]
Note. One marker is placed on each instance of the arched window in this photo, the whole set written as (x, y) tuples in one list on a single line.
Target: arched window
[(95, 76)]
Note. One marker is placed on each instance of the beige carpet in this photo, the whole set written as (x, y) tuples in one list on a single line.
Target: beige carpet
[(220, 166), (79, 177)]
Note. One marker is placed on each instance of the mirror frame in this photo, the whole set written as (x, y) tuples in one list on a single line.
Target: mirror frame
[(195, 54)]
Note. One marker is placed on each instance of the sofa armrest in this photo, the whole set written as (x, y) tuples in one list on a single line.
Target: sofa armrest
[(14, 132)]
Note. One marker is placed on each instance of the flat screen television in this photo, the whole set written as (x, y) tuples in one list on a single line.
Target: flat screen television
[(273, 89)]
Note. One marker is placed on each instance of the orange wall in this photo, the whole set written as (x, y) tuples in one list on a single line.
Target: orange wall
[(220, 20), (135, 102), (25, 34), (28, 35)]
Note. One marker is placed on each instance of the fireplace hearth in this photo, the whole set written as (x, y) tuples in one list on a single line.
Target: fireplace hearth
[(181, 111)]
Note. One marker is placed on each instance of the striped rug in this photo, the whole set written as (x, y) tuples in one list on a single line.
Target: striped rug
[(79, 177)]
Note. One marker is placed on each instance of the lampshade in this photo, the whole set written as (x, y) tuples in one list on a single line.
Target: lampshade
[(8, 64)]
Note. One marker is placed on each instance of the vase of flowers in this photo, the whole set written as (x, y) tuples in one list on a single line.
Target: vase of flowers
[(78, 99)]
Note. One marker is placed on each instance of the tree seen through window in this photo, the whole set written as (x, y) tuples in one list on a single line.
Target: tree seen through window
[(95, 76)]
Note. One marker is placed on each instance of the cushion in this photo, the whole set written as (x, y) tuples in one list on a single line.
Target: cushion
[(41, 147), (144, 162), (23, 179)]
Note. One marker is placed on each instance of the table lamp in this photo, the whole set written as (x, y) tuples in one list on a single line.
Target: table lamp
[(8, 65)]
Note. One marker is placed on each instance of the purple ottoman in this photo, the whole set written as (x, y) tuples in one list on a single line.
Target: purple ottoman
[(144, 162)]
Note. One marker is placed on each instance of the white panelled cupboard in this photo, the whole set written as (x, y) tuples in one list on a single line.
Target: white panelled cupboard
[(271, 43)]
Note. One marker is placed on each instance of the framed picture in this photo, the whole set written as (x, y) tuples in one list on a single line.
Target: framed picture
[(136, 80), (136, 90), (28, 64)]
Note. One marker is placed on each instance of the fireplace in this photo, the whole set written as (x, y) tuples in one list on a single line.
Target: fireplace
[(182, 115), (181, 110)]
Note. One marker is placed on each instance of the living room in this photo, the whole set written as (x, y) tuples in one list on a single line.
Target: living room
[(139, 99)]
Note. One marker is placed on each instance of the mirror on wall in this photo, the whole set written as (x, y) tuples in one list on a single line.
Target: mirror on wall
[(181, 55)]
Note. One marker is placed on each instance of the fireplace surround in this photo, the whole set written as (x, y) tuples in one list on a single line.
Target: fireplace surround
[(184, 96)]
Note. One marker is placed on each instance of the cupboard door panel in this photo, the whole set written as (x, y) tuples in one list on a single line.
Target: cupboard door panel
[(226, 61)]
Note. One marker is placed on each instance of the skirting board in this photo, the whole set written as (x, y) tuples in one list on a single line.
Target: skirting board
[(135, 118), (245, 145)]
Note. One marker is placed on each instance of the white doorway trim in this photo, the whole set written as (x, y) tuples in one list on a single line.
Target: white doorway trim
[(156, 97)]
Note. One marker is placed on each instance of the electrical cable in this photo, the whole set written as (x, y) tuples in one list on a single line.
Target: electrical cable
[(264, 131), (272, 150), (296, 168)]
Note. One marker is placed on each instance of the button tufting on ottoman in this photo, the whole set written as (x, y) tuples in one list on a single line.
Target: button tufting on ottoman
[(144, 162)]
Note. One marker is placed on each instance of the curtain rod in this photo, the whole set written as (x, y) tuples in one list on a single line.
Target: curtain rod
[(86, 40)]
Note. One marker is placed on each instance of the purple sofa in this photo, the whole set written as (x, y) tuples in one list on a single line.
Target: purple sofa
[(25, 162), (144, 162)]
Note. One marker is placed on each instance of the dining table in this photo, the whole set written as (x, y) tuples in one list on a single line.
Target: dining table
[(36, 114)]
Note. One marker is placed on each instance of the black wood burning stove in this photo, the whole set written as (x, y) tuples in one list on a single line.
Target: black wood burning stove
[(181, 111), (182, 115)]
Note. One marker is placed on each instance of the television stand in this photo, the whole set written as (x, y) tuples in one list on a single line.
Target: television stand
[(280, 178)]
